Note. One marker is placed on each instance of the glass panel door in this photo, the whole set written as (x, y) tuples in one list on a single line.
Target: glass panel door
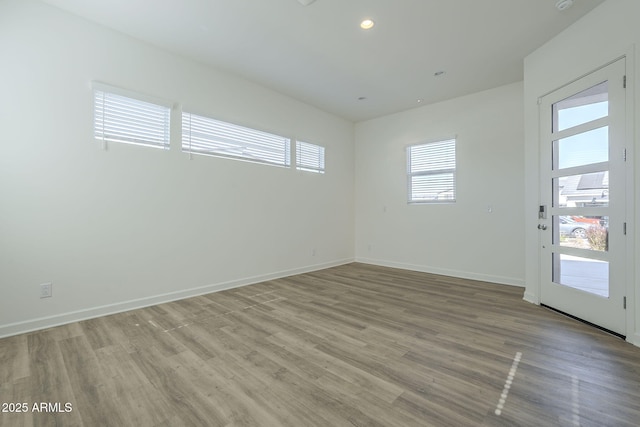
[(583, 198)]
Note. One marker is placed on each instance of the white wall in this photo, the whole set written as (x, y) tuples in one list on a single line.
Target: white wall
[(608, 32), (461, 239), (132, 226)]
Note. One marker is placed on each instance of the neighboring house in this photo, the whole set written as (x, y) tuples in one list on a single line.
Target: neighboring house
[(584, 190)]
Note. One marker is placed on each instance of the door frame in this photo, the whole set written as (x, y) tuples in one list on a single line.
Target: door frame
[(533, 265)]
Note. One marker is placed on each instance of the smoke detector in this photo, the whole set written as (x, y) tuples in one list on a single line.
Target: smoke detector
[(306, 2), (564, 4)]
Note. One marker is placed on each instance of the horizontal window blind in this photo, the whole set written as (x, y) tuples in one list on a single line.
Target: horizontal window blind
[(120, 118), (309, 157), (431, 170), (204, 135)]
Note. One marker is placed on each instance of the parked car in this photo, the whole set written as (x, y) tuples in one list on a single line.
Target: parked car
[(572, 228)]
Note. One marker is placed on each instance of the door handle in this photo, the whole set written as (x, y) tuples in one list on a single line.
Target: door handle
[(542, 227)]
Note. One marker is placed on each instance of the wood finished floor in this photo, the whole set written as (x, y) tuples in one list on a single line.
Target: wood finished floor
[(355, 345)]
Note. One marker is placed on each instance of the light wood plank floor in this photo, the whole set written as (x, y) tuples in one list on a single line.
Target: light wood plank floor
[(355, 345)]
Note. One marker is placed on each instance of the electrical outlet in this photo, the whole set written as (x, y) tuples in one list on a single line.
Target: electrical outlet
[(46, 290)]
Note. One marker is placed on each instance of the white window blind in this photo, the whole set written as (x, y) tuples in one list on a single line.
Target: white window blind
[(120, 118), (309, 157), (204, 135), (431, 172)]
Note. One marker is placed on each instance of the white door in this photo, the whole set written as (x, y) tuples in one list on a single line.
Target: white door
[(582, 198)]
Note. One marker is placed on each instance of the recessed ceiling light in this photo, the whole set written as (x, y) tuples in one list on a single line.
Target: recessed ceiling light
[(367, 24), (438, 73), (420, 100), (362, 98)]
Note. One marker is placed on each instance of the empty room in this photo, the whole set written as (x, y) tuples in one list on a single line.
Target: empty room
[(319, 213)]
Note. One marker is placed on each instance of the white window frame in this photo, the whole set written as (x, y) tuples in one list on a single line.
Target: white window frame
[(127, 117), (309, 157), (434, 161), (212, 137)]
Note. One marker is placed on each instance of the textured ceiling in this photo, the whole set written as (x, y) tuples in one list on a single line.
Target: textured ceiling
[(319, 55)]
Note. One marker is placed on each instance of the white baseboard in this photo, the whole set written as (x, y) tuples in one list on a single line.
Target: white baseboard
[(634, 339), (532, 298), (93, 312), (511, 281)]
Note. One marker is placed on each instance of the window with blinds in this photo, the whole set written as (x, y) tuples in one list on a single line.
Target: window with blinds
[(204, 135), (309, 157), (431, 172), (120, 118)]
